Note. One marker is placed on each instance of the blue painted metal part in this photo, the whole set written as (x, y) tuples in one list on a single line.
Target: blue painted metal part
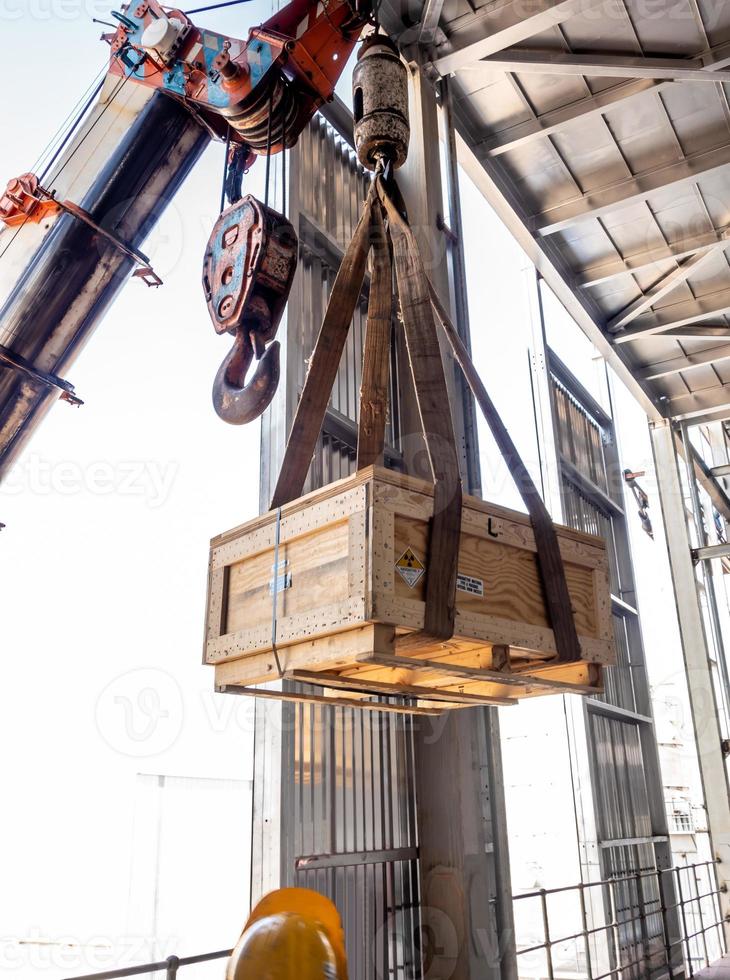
[(260, 57)]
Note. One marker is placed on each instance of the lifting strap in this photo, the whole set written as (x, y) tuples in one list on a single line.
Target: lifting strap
[(376, 357), (324, 363), (429, 384), (549, 559), (418, 303)]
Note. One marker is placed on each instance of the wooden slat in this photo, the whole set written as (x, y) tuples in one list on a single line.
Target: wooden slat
[(474, 673), (376, 360), (552, 571), (398, 709), (354, 683), (429, 382), (324, 364)]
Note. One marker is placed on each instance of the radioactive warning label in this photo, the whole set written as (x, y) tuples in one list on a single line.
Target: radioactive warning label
[(410, 567), (467, 583)]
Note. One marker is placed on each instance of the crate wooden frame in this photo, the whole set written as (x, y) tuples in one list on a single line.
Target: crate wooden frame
[(348, 629)]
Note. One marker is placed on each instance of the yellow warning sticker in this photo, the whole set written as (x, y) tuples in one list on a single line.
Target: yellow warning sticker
[(410, 567)]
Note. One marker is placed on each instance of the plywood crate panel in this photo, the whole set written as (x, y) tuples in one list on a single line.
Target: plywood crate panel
[(352, 565)]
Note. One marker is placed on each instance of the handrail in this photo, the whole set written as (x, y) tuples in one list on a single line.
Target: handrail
[(625, 922), (170, 965), (627, 941)]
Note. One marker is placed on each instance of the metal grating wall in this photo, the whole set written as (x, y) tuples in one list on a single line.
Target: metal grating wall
[(327, 188), (628, 799), (348, 823), (352, 830), (331, 188)]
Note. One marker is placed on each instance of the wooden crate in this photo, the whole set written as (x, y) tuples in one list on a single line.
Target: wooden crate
[(352, 563)]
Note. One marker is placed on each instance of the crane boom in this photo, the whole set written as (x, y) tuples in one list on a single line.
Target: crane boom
[(73, 239)]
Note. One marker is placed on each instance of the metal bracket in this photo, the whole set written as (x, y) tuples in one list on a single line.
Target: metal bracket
[(145, 272), (283, 578), (19, 363), (710, 552), (447, 231)]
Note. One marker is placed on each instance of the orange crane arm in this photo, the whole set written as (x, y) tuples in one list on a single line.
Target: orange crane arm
[(261, 92)]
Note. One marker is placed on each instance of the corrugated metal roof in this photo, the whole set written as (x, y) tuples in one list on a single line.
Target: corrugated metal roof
[(600, 130)]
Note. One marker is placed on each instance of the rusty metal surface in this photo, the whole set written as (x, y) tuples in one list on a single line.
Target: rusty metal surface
[(56, 306), (261, 91), (380, 100), (247, 274)]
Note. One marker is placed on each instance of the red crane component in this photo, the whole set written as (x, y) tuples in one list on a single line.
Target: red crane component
[(257, 95), (23, 201), (265, 89)]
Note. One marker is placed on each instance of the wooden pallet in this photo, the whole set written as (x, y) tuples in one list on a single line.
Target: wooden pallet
[(351, 591)]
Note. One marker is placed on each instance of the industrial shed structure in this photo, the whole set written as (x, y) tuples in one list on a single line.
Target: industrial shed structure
[(599, 133)]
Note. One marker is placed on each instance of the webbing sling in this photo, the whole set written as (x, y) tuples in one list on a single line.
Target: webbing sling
[(324, 363), (549, 559), (418, 302)]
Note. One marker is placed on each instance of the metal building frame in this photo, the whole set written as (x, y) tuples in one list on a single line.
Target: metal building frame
[(613, 736), (710, 733)]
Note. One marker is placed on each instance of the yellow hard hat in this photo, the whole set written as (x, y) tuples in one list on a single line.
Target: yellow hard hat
[(292, 934)]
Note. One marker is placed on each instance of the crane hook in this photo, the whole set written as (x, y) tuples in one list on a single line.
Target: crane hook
[(247, 274), (235, 400)]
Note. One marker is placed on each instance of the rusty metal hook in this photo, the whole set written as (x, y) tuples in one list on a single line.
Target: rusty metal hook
[(235, 400)]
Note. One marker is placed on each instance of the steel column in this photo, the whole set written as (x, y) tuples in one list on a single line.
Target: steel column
[(466, 905), (703, 701), (457, 284)]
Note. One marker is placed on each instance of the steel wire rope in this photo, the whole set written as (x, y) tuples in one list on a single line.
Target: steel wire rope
[(268, 147), (225, 167), (72, 119), (114, 94)]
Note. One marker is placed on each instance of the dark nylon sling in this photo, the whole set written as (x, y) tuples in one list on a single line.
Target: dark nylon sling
[(418, 302)]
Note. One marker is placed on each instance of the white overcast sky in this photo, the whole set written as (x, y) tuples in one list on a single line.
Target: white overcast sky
[(109, 514), (103, 561)]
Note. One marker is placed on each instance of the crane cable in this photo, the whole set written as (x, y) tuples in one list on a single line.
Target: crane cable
[(64, 142), (117, 88), (73, 118), (225, 167), (268, 148)]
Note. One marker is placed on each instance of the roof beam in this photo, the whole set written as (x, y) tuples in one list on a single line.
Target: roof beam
[(665, 286), (550, 123), (696, 404), (430, 18), (677, 365), (721, 415), (529, 60), (632, 190), (602, 272), (679, 315), (551, 264), (554, 121), (500, 28), (692, 333)]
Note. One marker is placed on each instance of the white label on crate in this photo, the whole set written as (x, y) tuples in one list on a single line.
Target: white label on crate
[(410, 568), (467, 583)]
